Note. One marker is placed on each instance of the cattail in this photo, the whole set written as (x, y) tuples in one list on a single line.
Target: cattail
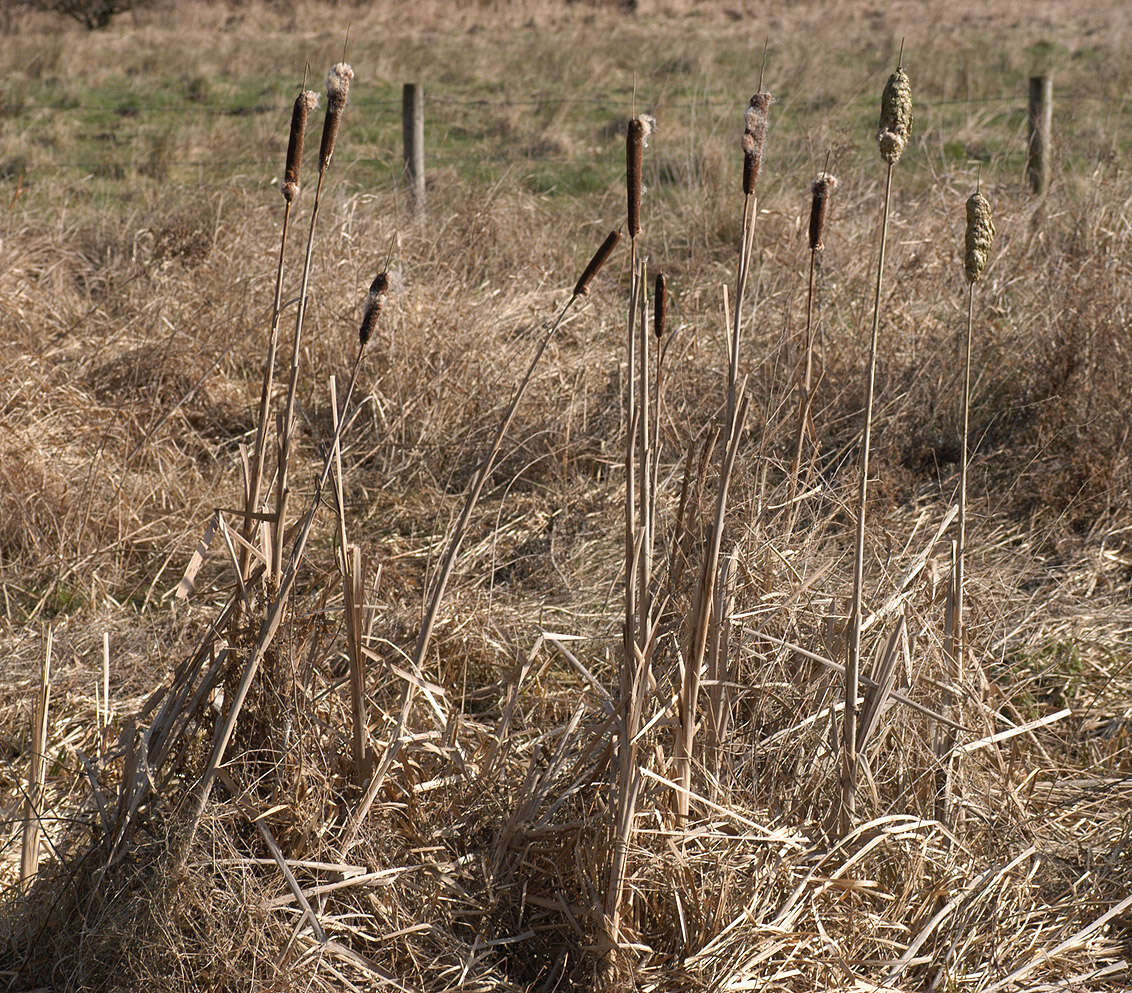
[(337, 92), (822, 187), (374, 302), (895, 116), (660, 304), (754, 137), (640, 127), (582, 288), (980, 234), (305, 102)]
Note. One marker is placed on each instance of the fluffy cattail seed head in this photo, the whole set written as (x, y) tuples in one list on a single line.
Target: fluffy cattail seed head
[(754, 138), (374, 302), (980, 235), (305, 102), (337, 92), (660, 304), (821, 189), (895, 116), (582, 287)]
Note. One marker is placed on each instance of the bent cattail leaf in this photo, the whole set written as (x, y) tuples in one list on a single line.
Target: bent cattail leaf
[(660, 304), (337, 92), (582, 287), (754, 138), (980, 235), (895, 116), (305, 102), (374, 302), (821, 189), (640, 127)]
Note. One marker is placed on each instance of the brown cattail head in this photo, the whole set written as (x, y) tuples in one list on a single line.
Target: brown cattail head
[(337, 92), (640, 127), (822, 187), (305, 102), (582, 287), (754, 138), (980, 235), (895, 116), (374, 302), (660, 304)]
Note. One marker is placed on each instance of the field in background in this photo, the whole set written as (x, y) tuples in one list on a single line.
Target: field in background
[(139, 213)]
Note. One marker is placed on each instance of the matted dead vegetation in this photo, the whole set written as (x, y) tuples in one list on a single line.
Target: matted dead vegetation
[(520, 777)]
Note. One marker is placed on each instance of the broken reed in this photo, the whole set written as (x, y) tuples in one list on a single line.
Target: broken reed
[(893, 131)]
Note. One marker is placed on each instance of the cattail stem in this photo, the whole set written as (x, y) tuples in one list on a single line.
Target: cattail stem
[(292, 389), (645, 458), (255, 480), (853, 655), (750, 209), (961, 551), (804, 392)]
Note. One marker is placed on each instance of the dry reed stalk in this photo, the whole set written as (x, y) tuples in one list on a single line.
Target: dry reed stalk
[(755, 123), (353, 590), (660, 320), (644, 459), (892, 135), (820, 193), (37, 773), (702, 616), (337, 92), (448, 562), (979, 237), (305, 102)]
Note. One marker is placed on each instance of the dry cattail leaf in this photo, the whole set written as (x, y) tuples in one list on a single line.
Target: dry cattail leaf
[(305, 102), (660, 304), (821, 189), (337, 92), (582, 288), (980, 235), (640, 127), (754, 138), (895, 116), (374, 302)]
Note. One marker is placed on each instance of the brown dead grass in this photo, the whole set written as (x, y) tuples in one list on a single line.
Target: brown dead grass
[(131, 351)]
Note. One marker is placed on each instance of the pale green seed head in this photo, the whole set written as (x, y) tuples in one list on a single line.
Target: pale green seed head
[(980, 236)]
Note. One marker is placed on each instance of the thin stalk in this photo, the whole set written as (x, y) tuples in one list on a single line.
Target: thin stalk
[(644, 458), (255, 480), (292, 389), (750, 208), (424, 637), (853, 655), (804, 399), (961, 552)]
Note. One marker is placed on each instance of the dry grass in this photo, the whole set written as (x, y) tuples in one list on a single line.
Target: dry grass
[(135, 316)]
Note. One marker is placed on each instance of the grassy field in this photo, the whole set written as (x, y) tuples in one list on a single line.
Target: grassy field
[(477, 842)]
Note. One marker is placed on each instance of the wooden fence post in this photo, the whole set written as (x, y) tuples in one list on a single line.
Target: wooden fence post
[(1041, 128), (412, 129)]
